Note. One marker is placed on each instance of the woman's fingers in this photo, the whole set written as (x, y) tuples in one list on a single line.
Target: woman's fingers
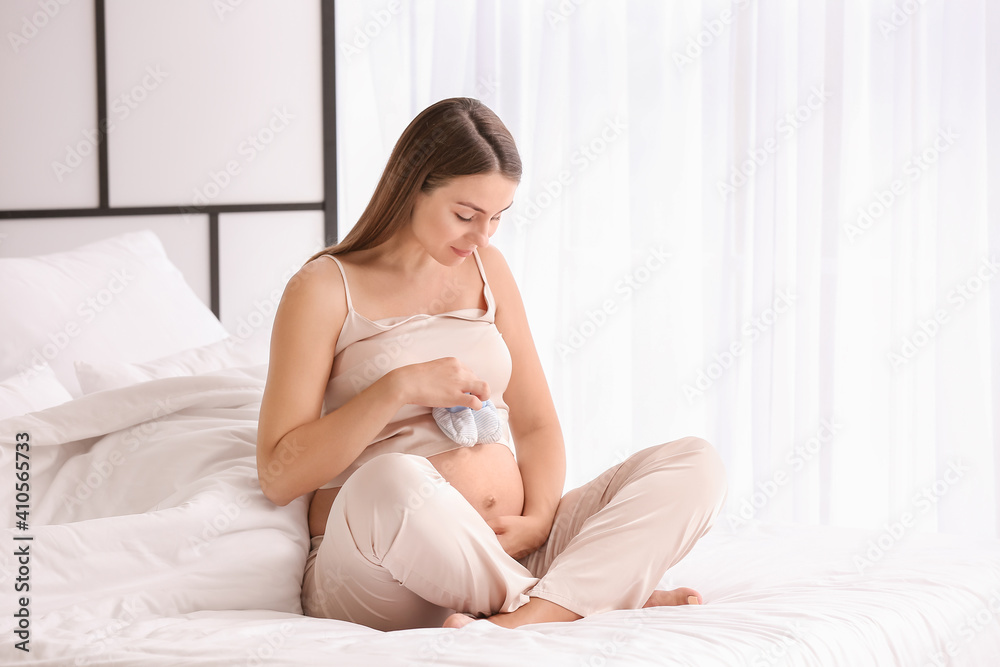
[(479, 391), (470, 401), (446, 382), (474, 389)]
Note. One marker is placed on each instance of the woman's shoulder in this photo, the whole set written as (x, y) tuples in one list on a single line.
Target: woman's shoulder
[(318, 272), (506, 295), (319, 283), (493, 260), (497, 271)]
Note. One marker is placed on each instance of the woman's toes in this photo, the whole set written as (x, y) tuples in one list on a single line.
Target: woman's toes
[(676, 597), (689, 595)]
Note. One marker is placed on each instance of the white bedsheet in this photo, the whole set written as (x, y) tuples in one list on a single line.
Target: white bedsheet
[(153, 545)]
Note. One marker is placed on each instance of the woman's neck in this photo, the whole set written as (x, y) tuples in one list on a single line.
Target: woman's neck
[(405, 255)]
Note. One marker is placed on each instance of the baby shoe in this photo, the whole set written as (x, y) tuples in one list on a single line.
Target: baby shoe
[(467, 426), (487, 420)]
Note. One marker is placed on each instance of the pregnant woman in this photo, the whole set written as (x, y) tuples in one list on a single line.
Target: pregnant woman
[(411, 526)]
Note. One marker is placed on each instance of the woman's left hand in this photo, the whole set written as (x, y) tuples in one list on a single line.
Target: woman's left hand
[(520, 535)]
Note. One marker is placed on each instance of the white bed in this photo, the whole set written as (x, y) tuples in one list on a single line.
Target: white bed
[(153, 545)]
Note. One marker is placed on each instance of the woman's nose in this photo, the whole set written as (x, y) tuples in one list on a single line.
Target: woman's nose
[(481, 234)]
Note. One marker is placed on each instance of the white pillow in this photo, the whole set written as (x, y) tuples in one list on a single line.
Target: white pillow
[(119, 299), (34, 389), (227, 353)]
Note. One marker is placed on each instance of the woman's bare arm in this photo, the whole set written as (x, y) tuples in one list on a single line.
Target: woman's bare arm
[(297, 452), (538, 439)]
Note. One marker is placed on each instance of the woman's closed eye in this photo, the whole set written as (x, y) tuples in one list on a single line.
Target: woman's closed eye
[(469, 219)]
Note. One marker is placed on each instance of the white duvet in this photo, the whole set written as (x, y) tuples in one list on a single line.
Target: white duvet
[(152, 544), (145, 502)]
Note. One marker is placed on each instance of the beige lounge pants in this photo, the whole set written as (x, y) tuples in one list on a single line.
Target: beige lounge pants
[(404, 549)]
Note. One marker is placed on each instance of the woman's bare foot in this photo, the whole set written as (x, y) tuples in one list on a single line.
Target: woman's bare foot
[(538, 610), (678, 596)]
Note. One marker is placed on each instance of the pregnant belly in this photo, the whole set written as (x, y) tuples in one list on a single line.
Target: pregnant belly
[(486, 475)]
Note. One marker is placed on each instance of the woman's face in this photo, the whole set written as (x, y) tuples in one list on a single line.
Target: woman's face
[(461, 215)]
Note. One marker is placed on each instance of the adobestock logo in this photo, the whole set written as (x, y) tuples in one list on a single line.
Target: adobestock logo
[(89, 309), (101, 471), (711, 30), (797, 459), (723, 361), (924, 500), (626, 286), (30, 26), (268, 646), (221, 522), (584, 156), (364, 35), (264, 308), (925, 331), (913, 169), (899, 16), (562, 12), (95, 642), (377, 366), (786, 126), (225, 7), (249, 148), (985, 618), (122, 107), (778, 652)]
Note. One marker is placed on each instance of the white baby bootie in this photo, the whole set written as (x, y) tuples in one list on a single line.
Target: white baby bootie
[(467, 426)]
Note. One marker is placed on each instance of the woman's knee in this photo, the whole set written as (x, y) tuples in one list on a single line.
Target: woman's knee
[(392, 480), (704, 467)]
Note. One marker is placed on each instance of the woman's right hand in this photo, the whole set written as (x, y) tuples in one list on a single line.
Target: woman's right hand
[(441, 383)]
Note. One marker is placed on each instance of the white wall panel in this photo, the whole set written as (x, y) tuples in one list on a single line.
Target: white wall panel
[(237, 89), (185, 240), (48, 105), (258, 253)]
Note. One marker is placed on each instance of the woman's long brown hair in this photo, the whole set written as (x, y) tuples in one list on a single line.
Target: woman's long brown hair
[(459, 136)]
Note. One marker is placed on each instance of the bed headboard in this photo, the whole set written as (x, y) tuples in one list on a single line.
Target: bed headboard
[(223, 142)]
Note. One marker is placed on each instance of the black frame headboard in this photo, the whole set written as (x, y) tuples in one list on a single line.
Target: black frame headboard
[(328, 205)]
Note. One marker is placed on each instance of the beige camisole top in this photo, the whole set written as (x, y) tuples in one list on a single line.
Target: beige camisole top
[(366, 350)]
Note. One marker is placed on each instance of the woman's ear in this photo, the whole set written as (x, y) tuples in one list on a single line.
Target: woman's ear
[(419, 198)]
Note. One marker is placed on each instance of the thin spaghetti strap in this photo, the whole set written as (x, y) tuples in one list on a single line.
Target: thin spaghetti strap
[(486, 284), (347, 290), (479, 263)]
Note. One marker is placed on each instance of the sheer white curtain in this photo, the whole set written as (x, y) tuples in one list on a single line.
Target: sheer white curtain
[(770, 224)]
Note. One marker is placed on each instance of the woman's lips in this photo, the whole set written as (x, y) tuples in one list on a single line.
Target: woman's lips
[(461, 253)]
